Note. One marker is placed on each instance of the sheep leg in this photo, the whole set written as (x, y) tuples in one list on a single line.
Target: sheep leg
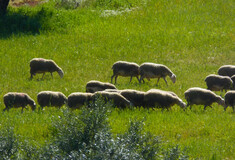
[(7, 108), (130, 79), (205, 107), (112, 78), (43, 75), (116, 79), (158, 80), (22, 109), (138, 78), (165, 80)]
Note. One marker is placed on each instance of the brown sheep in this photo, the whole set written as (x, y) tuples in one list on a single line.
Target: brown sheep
[(94, 86), (50, 98), (227, 70), (229, 99), (200, 96), (117, 99), (125, 69), (134, 96), (40, 65), (16, 100), (152, 70), (162, 99), (218, 83), (78, 99), (233, 79)]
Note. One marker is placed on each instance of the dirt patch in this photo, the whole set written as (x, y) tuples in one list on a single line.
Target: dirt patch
[(26, 3)]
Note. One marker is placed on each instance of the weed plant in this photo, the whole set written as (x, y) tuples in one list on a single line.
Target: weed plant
[(87, 135)]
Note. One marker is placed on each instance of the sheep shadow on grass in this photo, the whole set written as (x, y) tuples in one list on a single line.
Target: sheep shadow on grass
[(22, 22)]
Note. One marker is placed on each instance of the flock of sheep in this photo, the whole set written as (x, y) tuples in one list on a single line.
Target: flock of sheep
[(128, 97)]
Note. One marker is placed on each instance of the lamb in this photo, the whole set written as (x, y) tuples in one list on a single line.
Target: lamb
[(152, 70), (134, 96), (200, 96), (125, 69), (162, 99), (78, 99), (16, 100), (227, 70), (94, 86), (50, 98), (117, 99), (218, 83), (229, 99), (40, 65), (233, 79)]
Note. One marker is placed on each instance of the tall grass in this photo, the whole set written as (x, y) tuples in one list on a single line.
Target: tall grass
[(192, 38)]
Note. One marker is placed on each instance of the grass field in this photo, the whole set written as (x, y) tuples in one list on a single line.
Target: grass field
[(193, 38)]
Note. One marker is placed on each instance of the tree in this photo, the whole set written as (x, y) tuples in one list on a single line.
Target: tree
[(3, 6)]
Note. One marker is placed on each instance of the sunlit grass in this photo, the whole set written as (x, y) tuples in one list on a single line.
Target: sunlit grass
[(192, 38)]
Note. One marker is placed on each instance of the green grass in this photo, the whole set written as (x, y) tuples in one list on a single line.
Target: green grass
[(193, 38)]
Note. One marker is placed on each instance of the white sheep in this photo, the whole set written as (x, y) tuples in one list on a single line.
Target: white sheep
[(117, 99), (94, 86), (40, 65), (16, 100), (229, 99), (125, 69), (78, 99), (227, 70), (51, 98), (152, 70), (200, 96), (162, 99), (218, 83)]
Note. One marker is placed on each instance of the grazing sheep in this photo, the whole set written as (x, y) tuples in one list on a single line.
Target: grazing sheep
[(152, 70), (162, 99), (218, 83), (40, 65), (94, 86), (134, 96), (50, 98), (229, 99), (16, 100), (233, 79), (200, 96), (78, 99), (125, 69), (117, 99), (227, 70)]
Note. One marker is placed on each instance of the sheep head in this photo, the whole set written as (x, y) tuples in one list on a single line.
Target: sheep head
[(60, 72), (173, 78), (221, 101)]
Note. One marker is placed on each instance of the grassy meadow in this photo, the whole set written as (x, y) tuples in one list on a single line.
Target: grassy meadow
[(193, 38)]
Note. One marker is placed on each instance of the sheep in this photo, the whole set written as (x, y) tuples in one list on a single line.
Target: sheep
[(40, 65), (94, 86), (152, 70), (78, 99), (227, 70), (162, 99), (218, 83), (134, 96), (233, 79), (50, 98), (16, 100), (117, 99), (125, 69), (200, 96), (229, 99)]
